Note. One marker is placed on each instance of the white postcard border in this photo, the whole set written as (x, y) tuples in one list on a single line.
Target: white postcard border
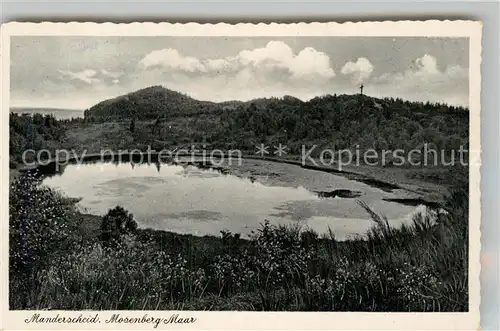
[(14, 320)]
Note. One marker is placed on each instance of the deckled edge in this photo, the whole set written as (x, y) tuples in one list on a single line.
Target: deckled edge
[(473, 26), (349, 28)]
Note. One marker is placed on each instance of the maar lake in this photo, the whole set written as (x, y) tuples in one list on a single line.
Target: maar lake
[(186, 199)]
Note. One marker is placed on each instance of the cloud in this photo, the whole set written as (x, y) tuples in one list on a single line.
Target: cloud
[(111, 74), (278, 55), (359, 71), (426, 81), (426, 71), (96, 79), (86, 75), (275, 57), (311, 62), (427, 65), (171, 59), (272, 70)]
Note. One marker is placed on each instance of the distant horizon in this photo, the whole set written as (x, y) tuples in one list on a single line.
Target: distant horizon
[(61, 108), (45, 108)]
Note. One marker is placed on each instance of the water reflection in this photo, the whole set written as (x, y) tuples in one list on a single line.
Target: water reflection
[(187, 199)]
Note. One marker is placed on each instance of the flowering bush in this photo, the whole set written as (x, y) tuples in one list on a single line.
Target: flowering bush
[(280, 258), (234, 273), (38, 220), (417, 286)]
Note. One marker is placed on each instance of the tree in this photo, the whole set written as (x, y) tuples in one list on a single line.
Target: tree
[(117, 222)]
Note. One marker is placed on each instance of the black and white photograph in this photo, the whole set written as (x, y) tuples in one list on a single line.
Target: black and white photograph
[(265, 173)]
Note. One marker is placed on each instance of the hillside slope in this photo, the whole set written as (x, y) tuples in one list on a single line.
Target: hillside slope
[(332, 121), (148, 103), (159, 102)]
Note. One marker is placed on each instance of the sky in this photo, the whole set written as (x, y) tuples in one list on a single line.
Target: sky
[(78, 72)]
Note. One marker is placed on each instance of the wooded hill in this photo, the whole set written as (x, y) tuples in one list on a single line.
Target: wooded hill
[(336, 121)]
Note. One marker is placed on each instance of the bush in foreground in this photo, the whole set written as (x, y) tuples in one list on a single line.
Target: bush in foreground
[(116, 223), (421, 267)]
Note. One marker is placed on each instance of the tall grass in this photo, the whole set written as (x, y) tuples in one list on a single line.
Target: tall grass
[(417, 267)]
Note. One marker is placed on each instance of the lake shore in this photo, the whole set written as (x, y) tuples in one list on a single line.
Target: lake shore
[(278, 269), (414, 182)]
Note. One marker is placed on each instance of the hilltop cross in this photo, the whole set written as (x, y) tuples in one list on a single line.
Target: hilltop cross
[(361, 88)]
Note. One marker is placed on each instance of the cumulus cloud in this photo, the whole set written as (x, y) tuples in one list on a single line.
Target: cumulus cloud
[(427, 65), (308, 62), (426, 71), (359, 71), (172, 59), (276, 56), (426, 81), (86, 75), (273, 70)]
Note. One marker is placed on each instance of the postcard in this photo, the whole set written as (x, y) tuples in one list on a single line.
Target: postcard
[(232, 177)]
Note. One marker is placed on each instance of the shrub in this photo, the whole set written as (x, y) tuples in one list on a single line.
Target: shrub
[(38, 220), (117, 222)]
